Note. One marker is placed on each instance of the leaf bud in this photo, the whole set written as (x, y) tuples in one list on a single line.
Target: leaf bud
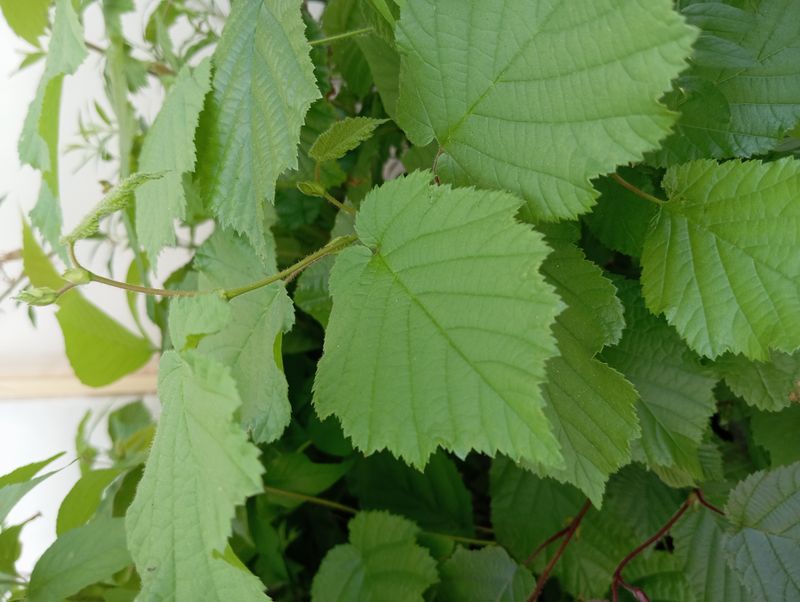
[(310, 188), (38, 296), (76, 276)]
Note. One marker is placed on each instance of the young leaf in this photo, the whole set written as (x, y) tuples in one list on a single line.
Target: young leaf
[(707, 265), (169, 146), (250, 344), (435, 499), (764, 510), (676, 392), (382, 556), (700, 541), (263, 85), (26, 19), (486, 574), (99, 349), (201, 467), (79, 558), (445, 284), (16, 484), (771, 385), (742, 94), (591, 406), (343, 136), (519, 100)]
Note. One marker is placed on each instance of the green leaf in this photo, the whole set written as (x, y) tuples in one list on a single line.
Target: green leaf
[(343, 136), (169, 146), (742, 94), (28, 18), (81, 502), (706, 265), (764, 510), (520, 94), (676, 391), (384, 62), (435, 499), (263, 85), (17, 483), (486, 574), (117, 199), (444, 284), (341, 16), (591, 406), (777, 432), (771, 385), (248, 344), (311, 293), (79, 558), (99, 349), (201, 467), (10, 551), (382, 557), (700, 541), (193, 318), (660, 576), (296, 473), (620, 220)]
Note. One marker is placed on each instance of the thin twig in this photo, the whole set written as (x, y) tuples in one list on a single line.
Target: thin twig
[(544, 544), (637, 191), (573, 526), (703, 501), (340, 36)]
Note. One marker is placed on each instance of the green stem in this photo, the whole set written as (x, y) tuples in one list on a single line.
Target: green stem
[(340, 36), (334, 246), (337, 203), (637, 191)]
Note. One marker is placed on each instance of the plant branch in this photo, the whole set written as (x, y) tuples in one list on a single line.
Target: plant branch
[(337, 203), (704, 502), (637, 191), (573, 526), (340, 36), (544, 544), (334, 246)]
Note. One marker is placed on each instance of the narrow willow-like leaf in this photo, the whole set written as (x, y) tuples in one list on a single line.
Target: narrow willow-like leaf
[(676, 392), (591, 406), (382, 559), (263, 85), (78, 558), (742, 93), (722, 261), (765, 512), (169, 147), (486, 574), (16, 484), (343, 136), (100, 350), (519, 93), (251, 344), (440, 327), (201, 467)]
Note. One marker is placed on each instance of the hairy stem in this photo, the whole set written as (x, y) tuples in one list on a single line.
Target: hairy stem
[(337, 203), (637, 191), (573, 526), (340, 36)]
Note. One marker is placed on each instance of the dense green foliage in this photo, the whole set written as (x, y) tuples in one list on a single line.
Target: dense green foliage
[(501, 301)]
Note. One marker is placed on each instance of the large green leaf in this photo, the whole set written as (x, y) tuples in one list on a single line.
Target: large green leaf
[(742, 94), (78, 558), (591, 406), (169, 146), (382, 561), (771, 385), (440, 327), (263, 85), (487, 574), (250, 344), (99, 349), (676, 392), (38, 143), (201, 467), (538, 97), (27, 19), (777, 433), (722, 261), (700, 541), (436, 499), (764, 510)]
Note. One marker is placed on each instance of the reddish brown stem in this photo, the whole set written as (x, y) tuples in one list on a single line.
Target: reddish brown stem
[(573, 526), (544, 544), (703, 501)]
